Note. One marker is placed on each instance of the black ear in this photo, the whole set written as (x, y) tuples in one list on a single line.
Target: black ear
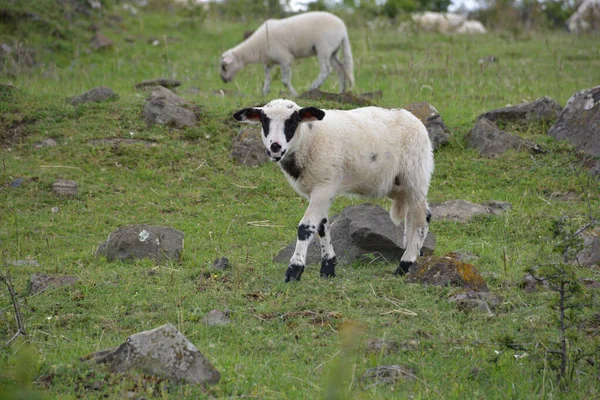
[(251, 115), (308, 114)]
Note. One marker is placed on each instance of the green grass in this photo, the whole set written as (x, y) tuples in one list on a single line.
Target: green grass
[(285, 340)]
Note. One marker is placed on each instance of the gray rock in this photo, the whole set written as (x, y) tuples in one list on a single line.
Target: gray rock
[(162, 112), (357, 231), (485, 302), (579, 123), (431, 118), (542, 110), (162, 93), (248, 148), (461, 210), (444, 271), (40, 282), (491, 141), (16, 183), (531, 284), (65, 187), (46, 143), (163, 352), (221, 264), (23, 263), (143, 241), (96, 95), (589, 256), (216, 317), (388, 374), (167, 83), (101, 41)]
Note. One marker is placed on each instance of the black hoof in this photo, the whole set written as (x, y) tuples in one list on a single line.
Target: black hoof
[(403, 267), (328, 267), (294, 272)]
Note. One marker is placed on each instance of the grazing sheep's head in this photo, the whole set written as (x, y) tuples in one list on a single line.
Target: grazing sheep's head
[(280, 120), (230, 65)]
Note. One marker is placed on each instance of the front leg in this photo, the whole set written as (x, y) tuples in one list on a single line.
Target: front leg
[(286, 78), (328, 259), (267, 84), (312, 222)]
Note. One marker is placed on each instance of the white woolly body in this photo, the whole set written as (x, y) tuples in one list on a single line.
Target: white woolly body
[(359, 152), (369, 151), (281, 41)]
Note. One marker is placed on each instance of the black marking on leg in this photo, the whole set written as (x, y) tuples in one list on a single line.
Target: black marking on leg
[(397, 181), (428, 216), (290, 166), (294, 272), (321, 229), (373, 156), (404, 267), (328, 267), (305, 231)]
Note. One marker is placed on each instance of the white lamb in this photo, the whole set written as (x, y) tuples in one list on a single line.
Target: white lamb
[(281, 41), (368, 151), (471, 27)]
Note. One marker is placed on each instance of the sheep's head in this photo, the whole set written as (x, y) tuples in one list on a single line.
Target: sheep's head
[(230, 65), (280, 120)]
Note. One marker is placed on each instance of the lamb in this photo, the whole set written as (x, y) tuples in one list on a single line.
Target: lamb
[(368, 151), (281, 41)]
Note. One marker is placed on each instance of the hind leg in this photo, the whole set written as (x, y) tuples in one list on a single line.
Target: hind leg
[(417, 226), (339, 68), (325, 69)]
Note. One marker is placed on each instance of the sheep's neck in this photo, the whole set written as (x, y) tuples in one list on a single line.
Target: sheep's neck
[(252, 50)]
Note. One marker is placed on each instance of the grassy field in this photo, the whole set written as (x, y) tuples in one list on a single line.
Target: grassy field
[(286, 341)]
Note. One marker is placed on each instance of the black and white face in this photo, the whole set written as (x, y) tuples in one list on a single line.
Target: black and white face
[(280, 120)]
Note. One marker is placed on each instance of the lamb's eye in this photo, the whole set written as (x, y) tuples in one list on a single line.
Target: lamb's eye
[(223, 67)]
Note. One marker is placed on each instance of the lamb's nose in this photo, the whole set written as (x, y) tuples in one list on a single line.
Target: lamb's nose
[(275, 147)]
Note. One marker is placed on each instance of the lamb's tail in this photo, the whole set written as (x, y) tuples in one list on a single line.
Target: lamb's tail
[(348, 61)]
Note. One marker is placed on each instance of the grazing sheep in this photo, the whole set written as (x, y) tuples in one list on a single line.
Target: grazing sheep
[(367, 151), (281, 41), (586, 18), (446, 23), (471, 27)]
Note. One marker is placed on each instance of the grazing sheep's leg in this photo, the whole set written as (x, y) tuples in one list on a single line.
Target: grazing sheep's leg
[(286, 78), (398, 212), (417, 229), (267, 85), (339, 68), (325, 69), (311, 223)]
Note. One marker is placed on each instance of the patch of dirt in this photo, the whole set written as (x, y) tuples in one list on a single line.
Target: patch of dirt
[(14, 132)]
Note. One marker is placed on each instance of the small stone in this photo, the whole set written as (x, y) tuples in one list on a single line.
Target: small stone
[(444, 271), (40, 282), (221, 264), (64, 187), (101, 41), (54, 210), (387, 374), (16, 183), (167, 83), (46, 143), (485, 302), (216, 317)]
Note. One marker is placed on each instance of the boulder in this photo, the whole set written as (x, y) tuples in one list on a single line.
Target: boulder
[(431, 118), (248, 148), (485, 302), (357, 231), (65, 187), (542, 110), (579, 123), (589, 256), (160, 111), (389, 374), (101, 41), (444, 271), (143, 241), (491, 141), (96, 95), (40, 282), (461, 210), (162, 93), (216, 317), (162, 352)]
